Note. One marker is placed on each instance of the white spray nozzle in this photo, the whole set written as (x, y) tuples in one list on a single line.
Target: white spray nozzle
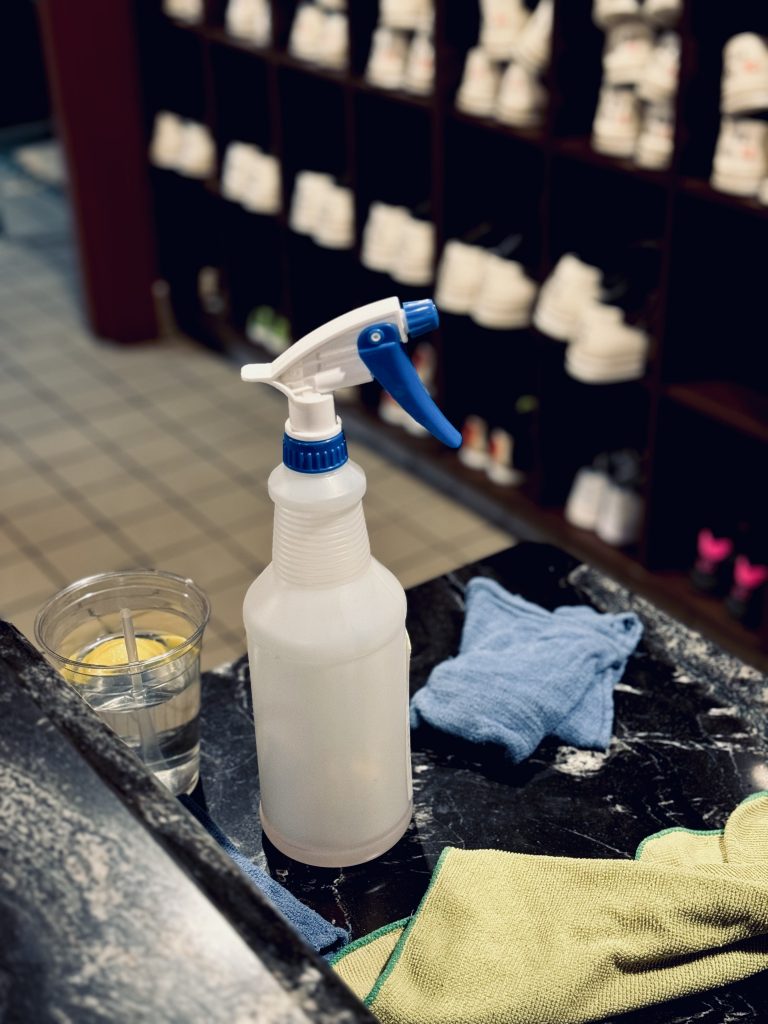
[(319, 364), (360, 346)]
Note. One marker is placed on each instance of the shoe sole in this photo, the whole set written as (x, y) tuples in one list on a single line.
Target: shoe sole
[(473, 459), (653, 159), (555, 325), (741, 101), (736, 184), (610, 145)]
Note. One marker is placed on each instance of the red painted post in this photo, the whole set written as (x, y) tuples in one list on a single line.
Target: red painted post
[(92, 62)]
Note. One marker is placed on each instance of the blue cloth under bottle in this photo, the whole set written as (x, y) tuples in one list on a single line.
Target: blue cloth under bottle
[(314, 929)]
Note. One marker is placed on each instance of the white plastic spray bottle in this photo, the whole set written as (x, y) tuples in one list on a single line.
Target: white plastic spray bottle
[(325, 622)]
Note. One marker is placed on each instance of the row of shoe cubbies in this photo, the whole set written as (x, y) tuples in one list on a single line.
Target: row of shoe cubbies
[(693, 258)]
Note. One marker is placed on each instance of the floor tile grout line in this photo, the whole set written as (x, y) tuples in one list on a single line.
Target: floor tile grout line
[(136, 518), (117, 382), (111, 529), (436, 544), (419, 529), (229, 636), (173, 499), (136, 400), (103, 376), (70, 537), (10, 611), (106, 527), (33, 553), (46, 468), (212, 453), (229, 581), (167, 551), (77, 498), (176, 431), (461, 539)]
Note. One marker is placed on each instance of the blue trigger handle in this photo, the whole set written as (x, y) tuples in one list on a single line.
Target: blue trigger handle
[(383, 353)]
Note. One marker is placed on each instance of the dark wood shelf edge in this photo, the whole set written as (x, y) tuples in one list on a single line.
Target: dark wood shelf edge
[(215, 34), (700, 188), (409, 99), (734, 405), (283, 59), (708, 615), (580, 148), (531, 136)]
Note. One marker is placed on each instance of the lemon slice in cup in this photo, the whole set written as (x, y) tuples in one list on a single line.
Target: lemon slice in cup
[(113, 652)]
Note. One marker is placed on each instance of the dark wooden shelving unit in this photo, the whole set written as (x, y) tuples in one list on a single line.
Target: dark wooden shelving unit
[(580, 148), (700, 188), (735, 405), (532, 136), (700, 415)]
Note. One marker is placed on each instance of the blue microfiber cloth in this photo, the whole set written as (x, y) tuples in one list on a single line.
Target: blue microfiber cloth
[(314, 929), (523, 673)]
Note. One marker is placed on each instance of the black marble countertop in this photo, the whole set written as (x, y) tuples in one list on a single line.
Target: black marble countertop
[(99, 867)]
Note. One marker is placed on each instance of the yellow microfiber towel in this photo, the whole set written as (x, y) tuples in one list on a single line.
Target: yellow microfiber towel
[(743, 840), (501, 938), (360, 963)]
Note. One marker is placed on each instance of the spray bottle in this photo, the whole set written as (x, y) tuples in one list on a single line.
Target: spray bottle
[(325, 622)]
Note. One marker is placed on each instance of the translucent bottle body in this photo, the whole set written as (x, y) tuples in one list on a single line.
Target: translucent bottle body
[(329, 661)]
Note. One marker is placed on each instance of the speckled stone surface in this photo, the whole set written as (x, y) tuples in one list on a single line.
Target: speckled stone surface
[(685, 751), (693, 655), (115, 906), (682, 754)]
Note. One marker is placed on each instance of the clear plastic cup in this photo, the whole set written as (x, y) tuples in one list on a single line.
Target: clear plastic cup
[(153, 703)]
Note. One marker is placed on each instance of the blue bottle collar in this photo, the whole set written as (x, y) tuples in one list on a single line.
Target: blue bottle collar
[(315, 456)]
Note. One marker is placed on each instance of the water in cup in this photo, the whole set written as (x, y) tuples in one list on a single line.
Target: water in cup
[(129, 642), (154, 711)]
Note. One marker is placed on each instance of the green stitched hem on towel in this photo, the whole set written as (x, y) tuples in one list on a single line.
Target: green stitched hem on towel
[(697, 832), (754, 796), (365, 939), (397, 951), (678, 828)]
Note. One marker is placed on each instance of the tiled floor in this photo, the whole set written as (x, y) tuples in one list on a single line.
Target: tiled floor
[(155, 455)]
